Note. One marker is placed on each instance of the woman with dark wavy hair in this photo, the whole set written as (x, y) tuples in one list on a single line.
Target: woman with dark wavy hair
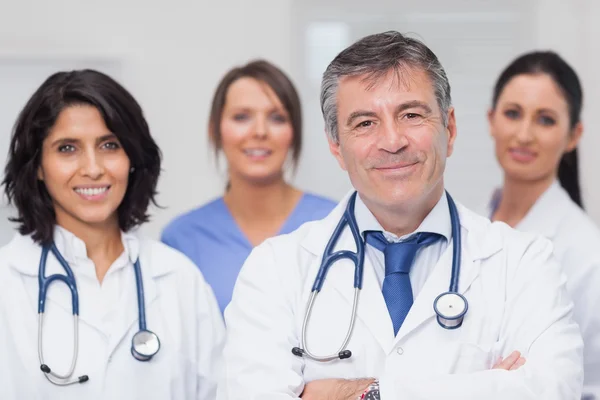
[(119, 316)]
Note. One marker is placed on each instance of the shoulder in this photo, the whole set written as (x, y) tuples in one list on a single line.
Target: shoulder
[(313, 207), (21, 250), (201, 217), (577, 225), (489, 238), (166, 260), (291, 251), (577, 240), (311, 198), (180, 280), (19, 257)]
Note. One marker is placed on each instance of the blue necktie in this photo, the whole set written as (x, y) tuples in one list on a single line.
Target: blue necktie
[(399, 257)]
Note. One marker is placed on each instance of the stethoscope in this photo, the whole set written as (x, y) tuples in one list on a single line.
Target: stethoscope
[(450, 307), (144, 344)]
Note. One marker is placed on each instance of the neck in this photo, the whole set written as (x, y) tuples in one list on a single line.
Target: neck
[(518, 197), (103, 243), (255, 202), (406, 219), (260, 210)]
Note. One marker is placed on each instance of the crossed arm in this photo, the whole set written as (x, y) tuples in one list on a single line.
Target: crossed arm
[(346, 389)]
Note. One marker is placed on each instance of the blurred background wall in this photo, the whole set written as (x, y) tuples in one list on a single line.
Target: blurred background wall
[(170, 55)]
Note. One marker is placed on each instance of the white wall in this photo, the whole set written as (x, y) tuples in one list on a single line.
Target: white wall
[(474, 40), (172, 54), (571, 28)]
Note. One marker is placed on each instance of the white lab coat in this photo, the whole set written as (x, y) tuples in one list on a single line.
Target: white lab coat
[(576, 242), (180, 309), (517, 301)]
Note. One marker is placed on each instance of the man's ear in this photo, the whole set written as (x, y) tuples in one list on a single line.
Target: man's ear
[(334, 148), (451, 131)]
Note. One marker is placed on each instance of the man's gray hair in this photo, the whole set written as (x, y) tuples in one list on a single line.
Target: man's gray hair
[(374, 56)]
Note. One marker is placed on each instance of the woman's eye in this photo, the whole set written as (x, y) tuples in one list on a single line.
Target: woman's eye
[(279, 118), (547, 121), (111, 145), (240, 117), (511, 114), (66, 148)]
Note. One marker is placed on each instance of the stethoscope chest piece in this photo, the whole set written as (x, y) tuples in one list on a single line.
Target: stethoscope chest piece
[(450, 308), (144, 345)]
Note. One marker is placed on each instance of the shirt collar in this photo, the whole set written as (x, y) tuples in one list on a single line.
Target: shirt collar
[(73, 248), (437, 221)]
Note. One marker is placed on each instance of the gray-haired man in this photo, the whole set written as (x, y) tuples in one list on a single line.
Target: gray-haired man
[(503, 330)]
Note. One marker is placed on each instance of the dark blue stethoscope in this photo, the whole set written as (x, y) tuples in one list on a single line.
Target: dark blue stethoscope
[(144, 344), (450, 307)]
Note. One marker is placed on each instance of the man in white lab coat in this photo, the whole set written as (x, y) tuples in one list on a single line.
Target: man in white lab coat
[(387, 109)]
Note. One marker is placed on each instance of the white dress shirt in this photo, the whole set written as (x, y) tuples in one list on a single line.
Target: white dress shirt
[(437, 221)]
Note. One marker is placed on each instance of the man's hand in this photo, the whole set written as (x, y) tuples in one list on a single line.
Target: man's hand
[(512, 362), (335, 389)]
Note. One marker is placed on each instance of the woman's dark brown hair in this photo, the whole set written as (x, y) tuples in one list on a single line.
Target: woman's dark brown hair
[(284, 89), (122, 115)]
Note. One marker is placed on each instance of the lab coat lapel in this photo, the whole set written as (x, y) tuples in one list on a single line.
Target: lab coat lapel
[(59, 294), (128, 314), (26, 260), (438, 283), (372, 310)]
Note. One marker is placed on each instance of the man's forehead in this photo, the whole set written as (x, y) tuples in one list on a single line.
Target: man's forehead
[(412, 82), (401, 78)]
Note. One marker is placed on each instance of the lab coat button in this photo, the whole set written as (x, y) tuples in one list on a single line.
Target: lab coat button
[(400, 351)]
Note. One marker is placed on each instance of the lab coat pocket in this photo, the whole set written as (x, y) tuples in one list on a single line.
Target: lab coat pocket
[(472, 357)]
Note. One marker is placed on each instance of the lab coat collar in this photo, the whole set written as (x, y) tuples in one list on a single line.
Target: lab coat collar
[(478, 242), (25, 258), (26, 252), (320, 232)]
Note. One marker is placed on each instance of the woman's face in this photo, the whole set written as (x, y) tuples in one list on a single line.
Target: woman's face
[(531, 127), (85, 168), (256, 132)]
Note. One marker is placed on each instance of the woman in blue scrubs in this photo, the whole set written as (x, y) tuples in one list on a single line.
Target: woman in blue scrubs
[(255, 121)]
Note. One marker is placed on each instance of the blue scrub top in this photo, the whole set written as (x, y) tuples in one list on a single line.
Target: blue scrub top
[(212, 239)]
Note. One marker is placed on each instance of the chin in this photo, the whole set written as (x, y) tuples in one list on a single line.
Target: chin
[(521, 173), (96, 218), (264, 178)]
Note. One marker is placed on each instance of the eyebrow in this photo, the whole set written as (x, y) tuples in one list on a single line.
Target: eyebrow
[(358, 114), (548, 111), (250, 109), (65, 140), (402, 107), (541, 110), (414, 104), (517, 105)]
